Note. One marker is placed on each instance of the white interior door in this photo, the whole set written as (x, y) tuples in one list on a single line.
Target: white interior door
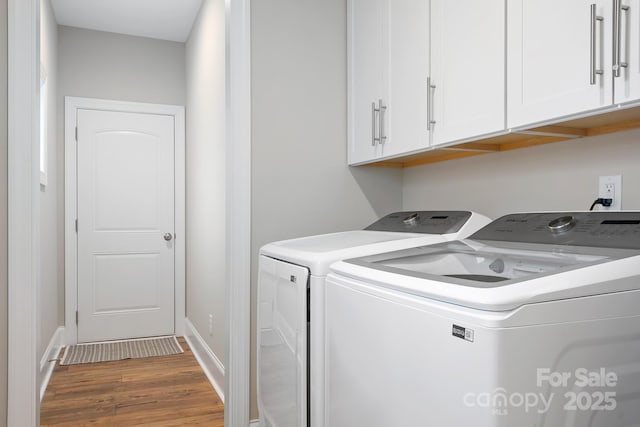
[(125, 191)]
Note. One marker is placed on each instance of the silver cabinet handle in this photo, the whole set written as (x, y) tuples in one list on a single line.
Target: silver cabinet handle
[(625, 9), (430, 120), (382, 138), (592, 56), (373, 124), (616, 38), (428, 103), (618, 8), (168, 236)]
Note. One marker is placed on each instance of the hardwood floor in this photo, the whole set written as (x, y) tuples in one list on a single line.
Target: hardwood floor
[(156, 391)]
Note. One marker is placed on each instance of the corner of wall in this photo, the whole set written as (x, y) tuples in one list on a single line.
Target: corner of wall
[(208, 361), (206, 170), (49, 359), (51, 242)]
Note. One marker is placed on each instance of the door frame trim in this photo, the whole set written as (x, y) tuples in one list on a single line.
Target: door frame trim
[(72, 105), (23, 199), (238, 213)]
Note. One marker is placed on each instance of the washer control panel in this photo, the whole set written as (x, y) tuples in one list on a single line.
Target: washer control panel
[(597, 229), (427, 222)]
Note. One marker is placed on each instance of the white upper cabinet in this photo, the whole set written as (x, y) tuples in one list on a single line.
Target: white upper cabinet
[(408, 72), (467, 69), (423, 73), (367, 77), (627, 81), (559, 59), (388, 51), (426, 74)]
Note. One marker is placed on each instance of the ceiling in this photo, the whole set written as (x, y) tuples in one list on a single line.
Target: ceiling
[(158, 19)]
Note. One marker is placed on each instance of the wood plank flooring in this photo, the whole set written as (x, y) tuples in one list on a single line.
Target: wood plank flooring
[(156, 391)]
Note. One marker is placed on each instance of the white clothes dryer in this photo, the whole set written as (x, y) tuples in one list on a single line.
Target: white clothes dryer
[(291, 305), (532, 321)]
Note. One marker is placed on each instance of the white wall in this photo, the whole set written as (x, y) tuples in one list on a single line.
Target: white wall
[(51, 276), (96, 64), (301, 182), (3, 213), (205, 58), (554, 177)]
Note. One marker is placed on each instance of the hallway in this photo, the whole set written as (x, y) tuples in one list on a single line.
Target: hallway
[(156, 391)]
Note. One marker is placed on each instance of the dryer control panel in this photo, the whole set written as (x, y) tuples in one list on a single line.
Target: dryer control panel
[(427, 222), (596, 229)]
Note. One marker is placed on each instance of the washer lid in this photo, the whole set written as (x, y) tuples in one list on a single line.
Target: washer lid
[(498, 276), (487, 264)]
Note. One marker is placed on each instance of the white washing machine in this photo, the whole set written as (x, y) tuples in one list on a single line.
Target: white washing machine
[(290, 304), (532, 321)]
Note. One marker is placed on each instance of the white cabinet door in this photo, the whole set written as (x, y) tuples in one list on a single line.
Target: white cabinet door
[(367, 75), (627, 85), (549, 59), (467, 63), (408, 71)]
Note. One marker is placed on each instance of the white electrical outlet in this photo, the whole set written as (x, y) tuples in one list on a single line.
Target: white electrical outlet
[(211, 324), (611, 188)]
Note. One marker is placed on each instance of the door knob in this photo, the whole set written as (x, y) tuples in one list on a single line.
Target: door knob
[(168, 236)]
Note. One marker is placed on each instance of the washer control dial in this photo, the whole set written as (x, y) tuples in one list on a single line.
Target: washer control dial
[(562, 224), (412, 219)]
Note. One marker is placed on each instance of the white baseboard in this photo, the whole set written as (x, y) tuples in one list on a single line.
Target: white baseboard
[(210, 364), (254, 423), (48, 361)]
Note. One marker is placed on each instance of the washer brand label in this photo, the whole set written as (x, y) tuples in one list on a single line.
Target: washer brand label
[(464, 333)]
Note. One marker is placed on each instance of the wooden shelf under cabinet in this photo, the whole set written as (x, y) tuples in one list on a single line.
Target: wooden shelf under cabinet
[(600, 124)]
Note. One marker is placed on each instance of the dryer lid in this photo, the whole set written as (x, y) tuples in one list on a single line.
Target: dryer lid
[(393, 232)]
